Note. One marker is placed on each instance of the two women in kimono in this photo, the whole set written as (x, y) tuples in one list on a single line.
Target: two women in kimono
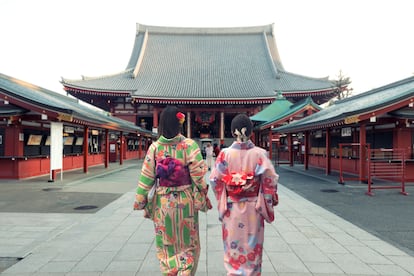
[(175, 165), (245, 184)]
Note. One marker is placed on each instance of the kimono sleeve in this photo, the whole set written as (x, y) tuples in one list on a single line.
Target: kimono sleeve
[(146, 179), (196, 165), (269, 178), (217, 173)]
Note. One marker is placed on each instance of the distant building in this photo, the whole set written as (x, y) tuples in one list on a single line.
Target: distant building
[(211, 74)]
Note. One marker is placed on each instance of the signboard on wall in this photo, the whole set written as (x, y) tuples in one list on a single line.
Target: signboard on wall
[(346, 132), (69, 129), (56, 146), (112, 148), (318, 134)]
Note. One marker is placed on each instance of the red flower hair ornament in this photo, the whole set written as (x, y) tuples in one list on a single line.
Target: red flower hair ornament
[(181, 117)]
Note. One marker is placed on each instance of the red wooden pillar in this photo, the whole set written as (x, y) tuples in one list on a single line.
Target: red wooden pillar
[(328, 151), (85, 148), (306, 153), (221, 128), (106, 148), (12, 137), (155, 118), (188, 121), (290, 149), (15, 148), (122, 148), (362, 152)]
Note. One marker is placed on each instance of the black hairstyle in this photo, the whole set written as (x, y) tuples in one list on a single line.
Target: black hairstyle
[(241, 121), (169, 126)]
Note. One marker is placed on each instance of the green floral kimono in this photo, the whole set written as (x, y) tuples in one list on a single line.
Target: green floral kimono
[(174, 210)]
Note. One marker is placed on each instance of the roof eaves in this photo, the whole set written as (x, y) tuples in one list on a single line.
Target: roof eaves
[(97, 91), (204, 100), (35, 103), (292, 127)]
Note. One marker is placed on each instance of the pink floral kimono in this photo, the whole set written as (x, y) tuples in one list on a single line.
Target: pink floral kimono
[(245, 184)]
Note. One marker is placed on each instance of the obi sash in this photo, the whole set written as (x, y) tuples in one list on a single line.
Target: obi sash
[(172, 173), (241, 185)]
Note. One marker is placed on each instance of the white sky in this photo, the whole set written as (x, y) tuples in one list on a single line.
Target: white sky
[(372, 42)]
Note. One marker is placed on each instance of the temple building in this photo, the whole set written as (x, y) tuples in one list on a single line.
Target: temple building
[(44, 132), (367, 136), (211, 74)]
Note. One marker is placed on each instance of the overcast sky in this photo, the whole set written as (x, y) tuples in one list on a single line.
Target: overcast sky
[(371, 42)]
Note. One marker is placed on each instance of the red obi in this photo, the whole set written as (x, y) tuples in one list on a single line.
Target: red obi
[(241, 184)]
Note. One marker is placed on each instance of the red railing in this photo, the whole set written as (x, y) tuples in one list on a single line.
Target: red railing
[(386, 165)]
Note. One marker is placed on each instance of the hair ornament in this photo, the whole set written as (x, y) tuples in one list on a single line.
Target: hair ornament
[(241, 136), (181, 117)]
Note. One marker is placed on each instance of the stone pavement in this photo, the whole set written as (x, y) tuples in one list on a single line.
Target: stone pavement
[(305, 239)]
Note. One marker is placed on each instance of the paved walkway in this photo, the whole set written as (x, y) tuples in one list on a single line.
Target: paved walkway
[(304, 240)]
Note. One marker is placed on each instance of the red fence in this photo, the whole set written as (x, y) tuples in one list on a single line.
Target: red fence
[(386, 165)]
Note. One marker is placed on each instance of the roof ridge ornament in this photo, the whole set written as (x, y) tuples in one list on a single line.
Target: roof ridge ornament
[(280, 96), (141, 55)]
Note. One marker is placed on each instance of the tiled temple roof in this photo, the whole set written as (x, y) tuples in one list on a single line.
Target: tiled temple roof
[(202, 64)]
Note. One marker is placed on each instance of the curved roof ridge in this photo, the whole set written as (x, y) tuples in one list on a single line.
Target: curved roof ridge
[(277, 57), (205, 30), (141, 55), (272, 64)]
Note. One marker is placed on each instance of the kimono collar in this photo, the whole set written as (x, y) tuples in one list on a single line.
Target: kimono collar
[(174, 140), (242, 145)]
